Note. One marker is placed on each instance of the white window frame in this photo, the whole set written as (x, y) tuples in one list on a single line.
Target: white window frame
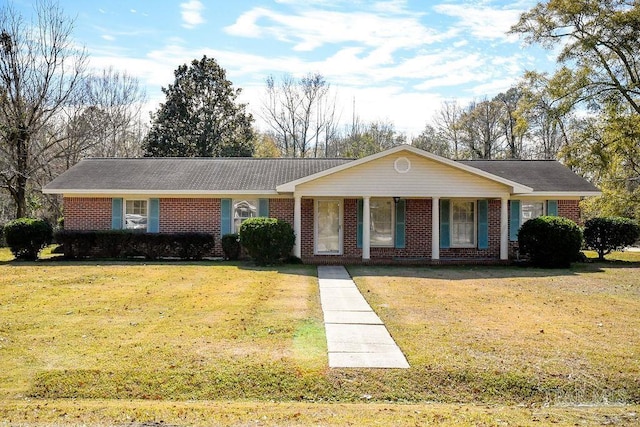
[(124, 214), (474, 243), (529, 201), (236, 228), (391, 243)]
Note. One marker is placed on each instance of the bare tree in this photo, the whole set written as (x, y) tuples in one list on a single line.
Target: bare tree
[(447, 122), (40, 71), (481, 128), (301, 114)]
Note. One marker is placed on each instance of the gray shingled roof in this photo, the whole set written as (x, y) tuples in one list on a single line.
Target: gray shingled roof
[(541, 175), (264, 175), (188, 174)]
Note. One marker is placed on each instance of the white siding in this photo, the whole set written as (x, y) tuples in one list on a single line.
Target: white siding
[(425, 178)]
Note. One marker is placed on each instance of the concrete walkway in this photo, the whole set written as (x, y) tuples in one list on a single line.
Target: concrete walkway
[(356, 337)]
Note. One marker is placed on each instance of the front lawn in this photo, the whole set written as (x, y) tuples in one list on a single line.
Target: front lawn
[(184, 343)]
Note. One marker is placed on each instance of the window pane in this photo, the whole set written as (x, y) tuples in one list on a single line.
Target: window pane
[(463, 223), (135, 215), (381, 222), (531, 210), (243, 209)]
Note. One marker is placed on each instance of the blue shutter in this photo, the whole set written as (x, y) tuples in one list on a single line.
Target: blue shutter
[(400, 220), (514, 219), (116, 214), (483, 224), (445, 233), (552, 207), (225, 216), (263, 207), (153, 222), (359, 222)]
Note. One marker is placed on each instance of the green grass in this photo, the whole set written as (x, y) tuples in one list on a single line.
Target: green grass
[(116, 342)]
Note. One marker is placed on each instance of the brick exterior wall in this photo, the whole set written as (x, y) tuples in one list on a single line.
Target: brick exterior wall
[(570, 209), (282, 209), (87, 213), (190, 215), (203, 215)]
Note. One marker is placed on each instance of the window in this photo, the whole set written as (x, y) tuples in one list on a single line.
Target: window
[(463, 223), (243, 209), (381, 218), (530, 210), (135, 215)]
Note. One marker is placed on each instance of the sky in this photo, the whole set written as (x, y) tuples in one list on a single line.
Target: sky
[(394, 60)]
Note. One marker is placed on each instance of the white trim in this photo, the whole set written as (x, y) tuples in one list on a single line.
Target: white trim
[(516, 187), (297, 226), (504, 228), (435, 228)]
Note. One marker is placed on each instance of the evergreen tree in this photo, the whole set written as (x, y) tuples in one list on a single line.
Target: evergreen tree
[(200, 117)]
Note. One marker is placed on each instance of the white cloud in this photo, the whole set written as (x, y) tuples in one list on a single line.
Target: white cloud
[(311, 29), (191, 12), (108, 37), (483, 22)]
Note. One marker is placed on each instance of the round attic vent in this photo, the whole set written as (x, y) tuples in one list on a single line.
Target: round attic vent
[(402, 165)]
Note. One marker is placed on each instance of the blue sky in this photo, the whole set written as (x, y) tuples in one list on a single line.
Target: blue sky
[(399, 59)]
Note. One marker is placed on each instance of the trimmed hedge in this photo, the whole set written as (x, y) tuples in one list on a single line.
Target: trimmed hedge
[(267, 240), (26, 237), (126, 244), (607, 234), (550, 241), (231, 246)]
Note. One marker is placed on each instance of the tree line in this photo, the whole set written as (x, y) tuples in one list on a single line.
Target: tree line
[(54, 109)]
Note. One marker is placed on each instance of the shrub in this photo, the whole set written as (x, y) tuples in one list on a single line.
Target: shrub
[(126, 244), (231, 246), (26, 237), (550, 241), (267, 240), (607, 234)]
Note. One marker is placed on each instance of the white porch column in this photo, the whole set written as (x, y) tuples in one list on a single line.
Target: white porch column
[(297, 225), (504, 229), (366, 229), (435, 228)]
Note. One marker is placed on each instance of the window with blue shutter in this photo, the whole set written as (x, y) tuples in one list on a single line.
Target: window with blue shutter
[(483, 224), (552, 207), (225, 216), (514, 220), (153, 225), (400, 224), (116, 214), (263, 207), (445, 233)]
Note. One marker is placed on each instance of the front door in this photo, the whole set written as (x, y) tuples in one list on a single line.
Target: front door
[(328, 227)]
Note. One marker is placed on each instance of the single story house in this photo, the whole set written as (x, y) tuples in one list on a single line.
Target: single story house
[(400, 204)]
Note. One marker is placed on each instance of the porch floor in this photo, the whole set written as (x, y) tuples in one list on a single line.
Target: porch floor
[(356, 337)]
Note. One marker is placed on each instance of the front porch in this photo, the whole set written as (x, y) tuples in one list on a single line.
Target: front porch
[(418, 233)]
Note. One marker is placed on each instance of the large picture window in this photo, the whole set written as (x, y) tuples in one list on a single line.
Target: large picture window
[(242, 210), (381, 217), (135, 215), (530, 210), (463, 223)]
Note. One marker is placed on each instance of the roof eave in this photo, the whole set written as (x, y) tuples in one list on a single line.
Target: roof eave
[(560, 194), (157, 192)]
